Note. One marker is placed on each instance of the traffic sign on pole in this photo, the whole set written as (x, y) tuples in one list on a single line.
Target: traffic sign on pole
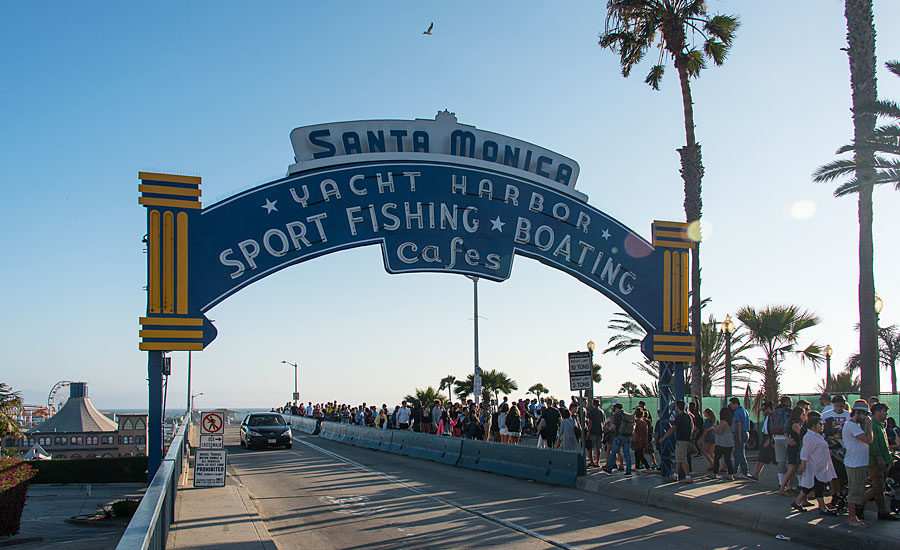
[(580, 370), (212, 422), (209, 468)]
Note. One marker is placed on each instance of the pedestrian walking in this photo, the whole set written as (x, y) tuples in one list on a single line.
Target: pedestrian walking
[(724, 435), (682, 428), (815, 465), (779, 424), (795, 441), (596, 418), (741, 429), (767, 447), (857, 436), (623, 424), (880, 460)]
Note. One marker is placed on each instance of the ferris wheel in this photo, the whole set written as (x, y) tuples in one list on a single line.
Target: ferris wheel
[(58, 395)]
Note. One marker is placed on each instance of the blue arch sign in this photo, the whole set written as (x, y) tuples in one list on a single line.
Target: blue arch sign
[(436, 196)]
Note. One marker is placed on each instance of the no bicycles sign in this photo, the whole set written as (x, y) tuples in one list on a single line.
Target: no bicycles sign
[(212, 422)]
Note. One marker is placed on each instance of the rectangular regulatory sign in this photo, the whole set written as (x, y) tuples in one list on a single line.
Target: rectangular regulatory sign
[(209, 468), (212, 441), (580, 370)]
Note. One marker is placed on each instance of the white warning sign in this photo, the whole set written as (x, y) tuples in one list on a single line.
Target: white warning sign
[(209, 468)]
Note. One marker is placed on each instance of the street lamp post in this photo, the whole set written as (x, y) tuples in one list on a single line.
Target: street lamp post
[(589, 395), (476, 380), (727, 328), (828, 352), (191, 405), (296, 393)]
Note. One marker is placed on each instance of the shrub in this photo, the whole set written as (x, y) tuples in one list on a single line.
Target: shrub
[(125, 508), (14, 478), (91, 470)]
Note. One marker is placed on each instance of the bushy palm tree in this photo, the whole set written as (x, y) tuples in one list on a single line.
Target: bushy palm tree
[(447, 384), (424, 398), (842, 382), (775, 330), (10, 408), (464, 388), (538, 390), (629, 388), (634, 27), (888, 353), (494, 381), (863, 85)]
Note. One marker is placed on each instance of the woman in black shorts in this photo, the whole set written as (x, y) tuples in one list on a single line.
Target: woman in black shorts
[(794, 433)]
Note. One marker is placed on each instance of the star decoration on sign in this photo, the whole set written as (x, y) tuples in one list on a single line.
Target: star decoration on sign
[(497, 224), (606, 235), (269, 206)]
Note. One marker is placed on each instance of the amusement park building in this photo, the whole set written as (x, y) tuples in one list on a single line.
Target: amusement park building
[(79, 430)]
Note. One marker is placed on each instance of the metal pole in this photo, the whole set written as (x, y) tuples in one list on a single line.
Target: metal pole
[(727, 364), (295, 384), (477, 369), (189, 387), (154, 420), (827, 370)]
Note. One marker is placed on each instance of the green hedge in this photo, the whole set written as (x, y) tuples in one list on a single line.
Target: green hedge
[(91, 470)]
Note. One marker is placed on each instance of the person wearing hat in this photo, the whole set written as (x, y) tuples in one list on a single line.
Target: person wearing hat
[(857, 436), (880, 460)]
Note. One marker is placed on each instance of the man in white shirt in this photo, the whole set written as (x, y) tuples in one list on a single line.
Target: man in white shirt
[(834, 418), (857, 436), (825, 402), (403, 417)]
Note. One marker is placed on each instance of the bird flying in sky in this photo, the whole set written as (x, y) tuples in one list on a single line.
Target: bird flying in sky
[(431, 26)]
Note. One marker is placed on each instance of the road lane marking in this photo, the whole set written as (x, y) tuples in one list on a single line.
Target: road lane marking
[(464, 508)]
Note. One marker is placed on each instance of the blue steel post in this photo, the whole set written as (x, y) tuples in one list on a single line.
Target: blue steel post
[(154, 421)]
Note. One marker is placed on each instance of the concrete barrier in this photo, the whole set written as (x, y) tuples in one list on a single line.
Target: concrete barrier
[(445, 450), (544, 465), (334, 431), (303, 424)]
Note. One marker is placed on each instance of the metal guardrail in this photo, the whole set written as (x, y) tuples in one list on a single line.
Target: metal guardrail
[(149, 527)]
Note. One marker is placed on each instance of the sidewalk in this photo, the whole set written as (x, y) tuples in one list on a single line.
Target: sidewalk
[(747, 504), (216, 517)]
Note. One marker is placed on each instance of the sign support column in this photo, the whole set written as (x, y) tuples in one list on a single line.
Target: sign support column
[(154, 419)]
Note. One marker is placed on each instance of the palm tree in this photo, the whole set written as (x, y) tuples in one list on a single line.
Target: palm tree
[(424, 398), (464, 388), (776, 331), (629, 389), (447, 384), (494, 381), (863, 86), (842, 382), (10, 408), (713, 354), (633, 27), (888, 353), (596, 377), (538, 389)]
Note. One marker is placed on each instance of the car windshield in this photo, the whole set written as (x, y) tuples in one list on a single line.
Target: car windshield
[(266, 420)]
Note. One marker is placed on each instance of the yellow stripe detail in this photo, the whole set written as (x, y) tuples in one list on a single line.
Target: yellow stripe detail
[(157, 333), (168, 298), (166, 190), (172, 203), (667, 357), (685, 288), (672, 244), (674, 225), (676, 293), (170, 346), (191, 321), (670, 234), (670, 347), (153, 263), (667, 291), (152, 176), (673, 338), (182, 264)]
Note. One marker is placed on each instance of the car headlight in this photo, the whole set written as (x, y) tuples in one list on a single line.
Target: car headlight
[(287, 431), (254, 432)]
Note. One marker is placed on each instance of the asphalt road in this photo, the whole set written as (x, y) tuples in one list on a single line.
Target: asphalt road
[(324, 495)]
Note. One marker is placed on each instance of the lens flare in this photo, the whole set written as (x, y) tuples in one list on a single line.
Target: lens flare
[(803, 210), (695, 230)]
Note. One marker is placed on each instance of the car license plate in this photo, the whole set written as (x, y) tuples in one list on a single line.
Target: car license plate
[(271, 441)]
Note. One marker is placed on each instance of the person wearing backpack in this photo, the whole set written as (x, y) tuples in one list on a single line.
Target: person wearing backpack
[(779, 425), (624, 428)]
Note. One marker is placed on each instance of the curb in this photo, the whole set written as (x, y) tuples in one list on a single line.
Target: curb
[(265, 538), (837, 537)]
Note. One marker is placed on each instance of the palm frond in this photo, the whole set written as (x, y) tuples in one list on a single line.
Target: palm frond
[(655, 76)]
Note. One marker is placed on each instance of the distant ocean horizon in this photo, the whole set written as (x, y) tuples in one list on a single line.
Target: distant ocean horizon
[(178, 412)]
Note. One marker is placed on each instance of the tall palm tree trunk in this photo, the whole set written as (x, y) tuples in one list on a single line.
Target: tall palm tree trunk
[(692, 174), (861, 39)]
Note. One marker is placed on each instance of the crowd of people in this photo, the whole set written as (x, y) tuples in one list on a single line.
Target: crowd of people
[(845, 447)]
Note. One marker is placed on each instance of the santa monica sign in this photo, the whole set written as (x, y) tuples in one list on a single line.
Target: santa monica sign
[(435, 195)]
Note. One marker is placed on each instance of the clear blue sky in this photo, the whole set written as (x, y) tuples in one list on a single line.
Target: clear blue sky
[(92, 93)]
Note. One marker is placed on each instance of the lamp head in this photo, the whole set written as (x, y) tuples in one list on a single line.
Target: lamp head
[(728, 324), (879, 303), (591, 346), (828, 351)]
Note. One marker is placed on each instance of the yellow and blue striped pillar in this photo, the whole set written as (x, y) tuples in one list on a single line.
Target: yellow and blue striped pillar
[(172, 202), (672, 347)]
